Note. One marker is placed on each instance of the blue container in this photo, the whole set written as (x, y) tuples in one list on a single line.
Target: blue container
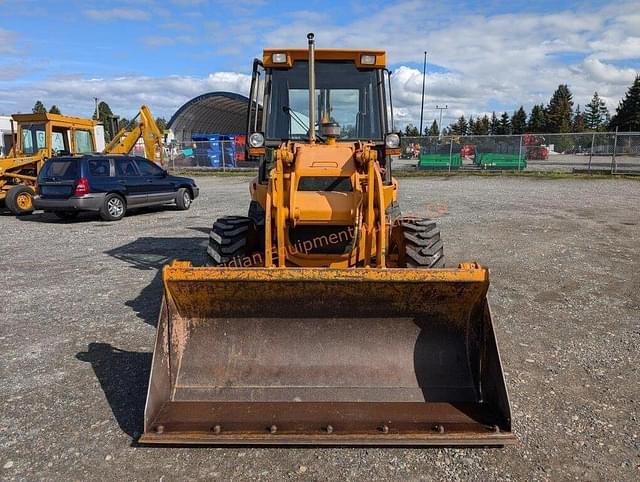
[(215, 150)]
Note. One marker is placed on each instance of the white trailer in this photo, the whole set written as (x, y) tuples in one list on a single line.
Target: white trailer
[(6, 138)]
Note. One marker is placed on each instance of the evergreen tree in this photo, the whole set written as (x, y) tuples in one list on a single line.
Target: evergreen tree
[(579, 124), (519, 121), (460, 127), (39, 108), (627, 116), (493, 125), (504, 124), (483, 126), (537, 121), (559, 112), (105, 114), (596, 113), (54, 110), (471, 127), (411, 131), (161, 122), (434, 130)]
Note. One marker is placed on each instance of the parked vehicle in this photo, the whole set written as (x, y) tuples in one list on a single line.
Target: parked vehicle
[(108, 185), (42, 136)]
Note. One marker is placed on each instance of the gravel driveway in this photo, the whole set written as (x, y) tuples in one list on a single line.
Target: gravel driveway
[(80, 301)]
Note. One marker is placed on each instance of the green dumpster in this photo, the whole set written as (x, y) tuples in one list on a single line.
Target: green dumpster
[(439, 161)]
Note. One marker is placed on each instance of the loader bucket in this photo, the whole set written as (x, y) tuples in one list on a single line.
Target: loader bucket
[(326, 356)]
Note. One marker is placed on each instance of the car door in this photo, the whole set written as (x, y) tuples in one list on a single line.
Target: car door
[(162, 189), (135, 185)]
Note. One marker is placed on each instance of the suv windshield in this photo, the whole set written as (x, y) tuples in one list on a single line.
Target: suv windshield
[(345, 95), (60, 169)]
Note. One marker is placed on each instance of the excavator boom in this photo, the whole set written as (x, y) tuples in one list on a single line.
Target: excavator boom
[(147, 129)]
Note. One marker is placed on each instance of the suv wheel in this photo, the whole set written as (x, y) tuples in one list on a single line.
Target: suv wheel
[(183, 199), (113, 208)]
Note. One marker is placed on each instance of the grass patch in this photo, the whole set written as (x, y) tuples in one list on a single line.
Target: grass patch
[(428, 173), (528, 174), (215, 172)]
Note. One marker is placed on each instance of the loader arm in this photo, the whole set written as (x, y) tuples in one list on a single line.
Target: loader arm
[(147, 129)]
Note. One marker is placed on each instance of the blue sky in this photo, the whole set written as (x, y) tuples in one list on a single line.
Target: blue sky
[(483, 56)]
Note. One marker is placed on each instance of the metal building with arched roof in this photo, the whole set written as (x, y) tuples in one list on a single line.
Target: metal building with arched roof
[(210, 113)]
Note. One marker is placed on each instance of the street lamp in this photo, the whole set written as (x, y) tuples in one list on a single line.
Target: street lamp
[(424, 78)]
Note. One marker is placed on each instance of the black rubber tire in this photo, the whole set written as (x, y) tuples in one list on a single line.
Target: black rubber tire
[(422, 246), (257, 215), (181, 199), (231, 240), (106, 215), (11, 200), (66, 214)]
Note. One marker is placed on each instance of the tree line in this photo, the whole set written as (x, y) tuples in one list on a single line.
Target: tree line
[(558, 116), (105, 114)]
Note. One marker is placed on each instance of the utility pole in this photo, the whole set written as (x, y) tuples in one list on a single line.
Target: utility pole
[(424, 78), (97, 111), (440, 108)]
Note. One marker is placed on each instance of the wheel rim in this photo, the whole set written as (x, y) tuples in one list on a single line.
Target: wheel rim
[(24, 201), (187, 199), (115, 207)]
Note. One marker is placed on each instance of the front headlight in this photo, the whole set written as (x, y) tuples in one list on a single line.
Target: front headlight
[(256, 139), (392, 141)]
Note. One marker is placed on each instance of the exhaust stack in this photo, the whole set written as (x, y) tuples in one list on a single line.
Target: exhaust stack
[(312, 88)]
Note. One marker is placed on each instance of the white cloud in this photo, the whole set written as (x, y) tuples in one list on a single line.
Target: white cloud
[(124, 95), (483, 61), (7, 41), (117, 14), (608, 74), (506, 60)]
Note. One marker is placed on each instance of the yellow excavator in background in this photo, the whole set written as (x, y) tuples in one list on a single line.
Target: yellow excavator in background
[(147, 129), (42, 136), (327, 317)]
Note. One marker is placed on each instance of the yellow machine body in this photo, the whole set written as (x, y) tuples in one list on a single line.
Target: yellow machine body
[(322, 333)]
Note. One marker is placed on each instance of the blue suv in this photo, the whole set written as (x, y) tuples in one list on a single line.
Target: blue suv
[(108, 185)]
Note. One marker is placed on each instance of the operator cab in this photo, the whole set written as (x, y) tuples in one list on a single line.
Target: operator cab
[(352, 102)]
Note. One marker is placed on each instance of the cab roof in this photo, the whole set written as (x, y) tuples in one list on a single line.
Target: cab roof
[(340, 55), (57, 119)]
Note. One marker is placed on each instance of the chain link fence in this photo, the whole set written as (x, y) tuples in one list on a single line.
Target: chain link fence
[(610, 152), (211, 154), (597, 152)]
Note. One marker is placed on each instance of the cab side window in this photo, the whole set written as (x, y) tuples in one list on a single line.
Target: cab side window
[(84, 142), (126, 168)]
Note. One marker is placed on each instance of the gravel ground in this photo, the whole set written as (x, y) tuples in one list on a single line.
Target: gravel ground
[(80, 301)]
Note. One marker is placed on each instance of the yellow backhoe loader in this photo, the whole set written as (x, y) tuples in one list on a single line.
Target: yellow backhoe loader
[(327, 317), (41, 136), (147, 129)]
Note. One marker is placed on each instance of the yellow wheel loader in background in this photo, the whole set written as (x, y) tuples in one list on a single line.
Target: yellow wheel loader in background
[(41, 136), (327, 318)]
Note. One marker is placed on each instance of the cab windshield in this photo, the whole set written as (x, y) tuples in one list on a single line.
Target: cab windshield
[(33, 138), (344, 95)]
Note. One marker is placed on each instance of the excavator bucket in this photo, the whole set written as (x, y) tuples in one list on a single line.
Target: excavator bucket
[(326, 357)]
